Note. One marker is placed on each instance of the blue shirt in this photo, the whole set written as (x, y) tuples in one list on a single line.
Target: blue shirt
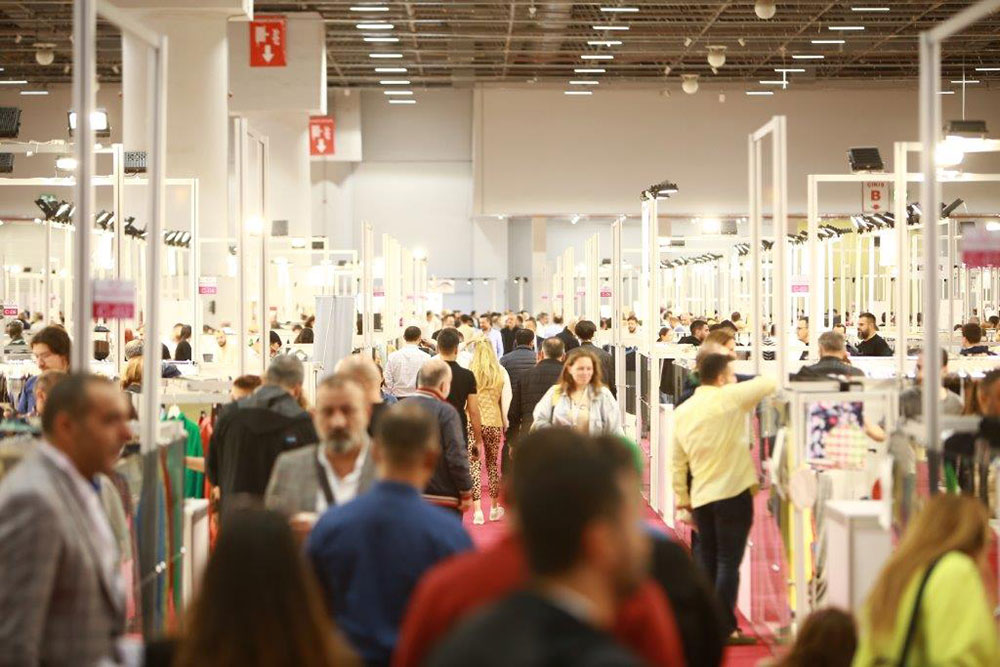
[(494, 337), (26, 401), (369, 555)]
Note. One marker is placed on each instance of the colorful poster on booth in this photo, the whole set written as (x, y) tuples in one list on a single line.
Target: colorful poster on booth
[(321, 133), (267, 41)]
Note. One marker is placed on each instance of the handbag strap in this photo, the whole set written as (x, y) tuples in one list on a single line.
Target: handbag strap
[(915, 614)]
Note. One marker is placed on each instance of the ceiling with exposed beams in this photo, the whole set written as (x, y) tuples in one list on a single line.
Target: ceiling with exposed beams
[(459, 43)]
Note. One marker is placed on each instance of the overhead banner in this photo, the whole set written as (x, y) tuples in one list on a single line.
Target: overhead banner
[(267, 41), (321, 133)]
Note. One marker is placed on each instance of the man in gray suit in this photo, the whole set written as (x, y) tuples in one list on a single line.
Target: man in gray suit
[(308, 480), (61, 598)]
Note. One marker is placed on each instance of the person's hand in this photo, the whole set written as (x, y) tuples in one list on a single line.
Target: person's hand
[(302, 523), (683, 515), (477, 447)]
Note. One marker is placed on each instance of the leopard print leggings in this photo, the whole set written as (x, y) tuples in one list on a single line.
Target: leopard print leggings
[(492, 439)]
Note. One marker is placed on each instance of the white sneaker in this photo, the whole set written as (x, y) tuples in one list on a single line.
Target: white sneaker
[(478, 519), (496, 513)]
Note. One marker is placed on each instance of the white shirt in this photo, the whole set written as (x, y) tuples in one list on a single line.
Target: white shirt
[(345, 488), (401, 370), (550, 330), (89, 499), (497, 340)]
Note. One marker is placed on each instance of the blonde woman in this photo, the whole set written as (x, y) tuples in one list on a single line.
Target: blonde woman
[(930, 604), (493, 387), (580, 400)]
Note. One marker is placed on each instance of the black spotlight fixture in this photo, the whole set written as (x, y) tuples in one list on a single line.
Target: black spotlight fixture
[(865, 160)]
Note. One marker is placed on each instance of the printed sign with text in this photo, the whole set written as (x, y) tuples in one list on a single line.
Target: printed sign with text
[(267, 41)]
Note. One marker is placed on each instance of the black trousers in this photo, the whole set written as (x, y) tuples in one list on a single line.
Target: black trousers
[(723, 528)]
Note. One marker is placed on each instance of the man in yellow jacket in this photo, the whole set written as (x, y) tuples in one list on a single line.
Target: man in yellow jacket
[(712, 446)]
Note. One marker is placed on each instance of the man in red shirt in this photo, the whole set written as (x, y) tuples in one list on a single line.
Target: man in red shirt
[(464, 584)]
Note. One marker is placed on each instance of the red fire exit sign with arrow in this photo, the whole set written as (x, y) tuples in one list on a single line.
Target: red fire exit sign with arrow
[(267, 41), (321, 135)]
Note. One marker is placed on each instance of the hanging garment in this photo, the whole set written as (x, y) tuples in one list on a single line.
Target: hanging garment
[(194, 481)]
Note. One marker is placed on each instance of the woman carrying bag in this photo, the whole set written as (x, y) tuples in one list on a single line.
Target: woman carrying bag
[(580, 400), (930, 605)]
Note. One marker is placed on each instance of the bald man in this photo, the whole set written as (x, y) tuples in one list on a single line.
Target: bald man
[(363, 370), (451, 484)]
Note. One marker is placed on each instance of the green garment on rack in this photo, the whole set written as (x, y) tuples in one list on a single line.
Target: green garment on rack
[(194, 481)]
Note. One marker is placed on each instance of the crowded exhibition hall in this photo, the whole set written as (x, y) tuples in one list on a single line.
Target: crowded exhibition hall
[(536, 333)]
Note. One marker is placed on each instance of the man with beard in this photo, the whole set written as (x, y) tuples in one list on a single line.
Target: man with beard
[(308, 480)]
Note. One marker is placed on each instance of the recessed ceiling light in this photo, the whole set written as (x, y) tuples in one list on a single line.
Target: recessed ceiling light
[(402, 101), (590, 70), (829, 41), (382, 40), (397, 92), (395, 82), (390, 70), (385, 55), (988, 69), (808, 56), (374, 26), (620, 10), (760, 92), (604, 42), (869, 9), (845, 27), (13, 82), (610, 27), (584, 57), (34, 92), (789, 69), (369, 8), (578, 92), (583, 82)]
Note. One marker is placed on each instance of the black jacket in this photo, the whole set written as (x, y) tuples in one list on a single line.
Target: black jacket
[(976, 350), (532, 386), (249, 436), (451, 476), (507, 336), (519, 361), (827, 366), (874, 347), (528, 630), (607, 366), (569, 340)]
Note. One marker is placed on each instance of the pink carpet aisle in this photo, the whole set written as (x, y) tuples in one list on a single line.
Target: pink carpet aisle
[(491, 531)]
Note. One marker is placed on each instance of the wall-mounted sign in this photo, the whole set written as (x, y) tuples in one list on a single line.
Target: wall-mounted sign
[(114, 299), (605, 292), (208, 285), (10, 310), (876, 197), (267, 41), (321, 133), (980, 248), (800, 285)]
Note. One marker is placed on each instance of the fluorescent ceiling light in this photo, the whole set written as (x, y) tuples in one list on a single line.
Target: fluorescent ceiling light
[(993, 226), (578, 92), (946, 92), (385, 55), (374, 26), (964, 81), (395, 82), (988, 69), (98, 119), (402, 101), (590, 70), (66, 163), (34, 92), (382, 40), (808, 56), (829, 41), (774, 82), (584, 82), (369, 8), (590, 57), (13, 82), (397, 92), (604, 42), (789, 69), (620, 10), (869, 9), (845, 27), (760, 92), (610, 27), (390, 70)]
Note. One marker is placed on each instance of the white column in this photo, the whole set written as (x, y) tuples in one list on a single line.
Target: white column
[(539, 274)]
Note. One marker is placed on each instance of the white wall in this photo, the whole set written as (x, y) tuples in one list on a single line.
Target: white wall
[(542, 152)]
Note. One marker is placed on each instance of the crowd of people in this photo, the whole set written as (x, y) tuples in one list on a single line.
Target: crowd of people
[(341, 538)]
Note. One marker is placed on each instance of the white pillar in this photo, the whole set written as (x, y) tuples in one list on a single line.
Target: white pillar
[(539, 275)]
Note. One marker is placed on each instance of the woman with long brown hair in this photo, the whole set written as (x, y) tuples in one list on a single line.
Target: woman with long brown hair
[(930, 605), (580, 400), (259, 604)]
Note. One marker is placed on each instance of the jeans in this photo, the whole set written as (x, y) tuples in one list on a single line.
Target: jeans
[(723, 528)]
